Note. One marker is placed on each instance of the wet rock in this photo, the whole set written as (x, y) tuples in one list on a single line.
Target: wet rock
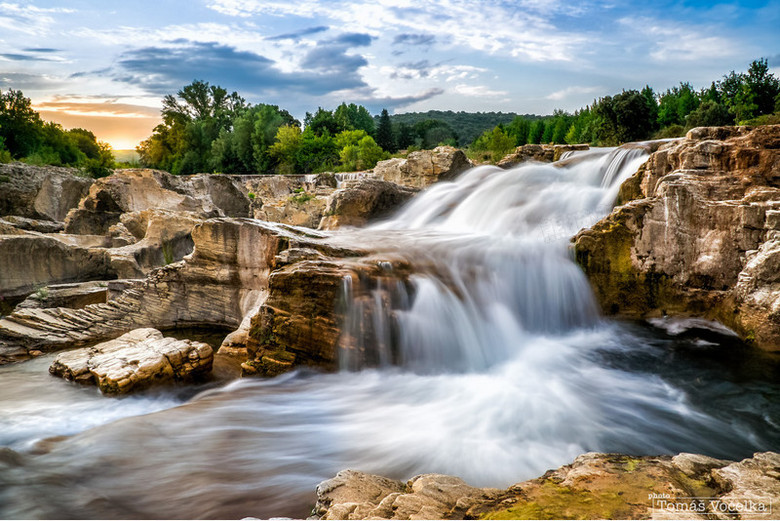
[(593, 486), (695, 234), (363, 201), (40, 192), (135, 360), (424, 167)]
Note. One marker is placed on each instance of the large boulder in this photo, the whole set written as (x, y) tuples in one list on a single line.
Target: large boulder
[(696, 233), (363, 201), (136, 190), (40, 192), (594, 486), (423, 168), (134, 361)]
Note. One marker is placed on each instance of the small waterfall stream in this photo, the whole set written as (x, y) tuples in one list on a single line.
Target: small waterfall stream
[(490, 362)]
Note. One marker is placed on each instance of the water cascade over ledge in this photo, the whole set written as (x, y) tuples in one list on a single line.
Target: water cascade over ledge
[(487, 360)]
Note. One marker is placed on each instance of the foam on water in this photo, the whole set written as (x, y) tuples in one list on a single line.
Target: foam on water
[(491, 363)]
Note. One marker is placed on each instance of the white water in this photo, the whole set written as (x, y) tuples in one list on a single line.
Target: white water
[(491, 363)]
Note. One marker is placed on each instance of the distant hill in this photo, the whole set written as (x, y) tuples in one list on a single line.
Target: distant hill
[(468, 125), (125, 156)]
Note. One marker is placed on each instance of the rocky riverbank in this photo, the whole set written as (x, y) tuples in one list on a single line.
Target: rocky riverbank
[(696, 233), (593, 486)]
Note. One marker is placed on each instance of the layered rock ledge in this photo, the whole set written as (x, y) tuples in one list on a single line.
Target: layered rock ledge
[(594, 486), (697, 233), (135, 360)]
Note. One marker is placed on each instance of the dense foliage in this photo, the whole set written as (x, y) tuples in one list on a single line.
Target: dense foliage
[(467, 126), (738, 98), (24, 136)]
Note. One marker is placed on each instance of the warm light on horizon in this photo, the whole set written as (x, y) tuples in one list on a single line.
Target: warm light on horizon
[(121, 144)]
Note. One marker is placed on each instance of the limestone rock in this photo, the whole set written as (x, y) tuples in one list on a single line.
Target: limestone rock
[(223, 281), (543, 153), (24, 223), (73, 296), (40, 192), (33, 259), (696, 234), (134, 361), (365, 200), (136, 190), (593, 486), (356, 495), (424, 167)]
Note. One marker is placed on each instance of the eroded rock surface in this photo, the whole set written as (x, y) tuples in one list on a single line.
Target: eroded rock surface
[(136, 190), (594, 486), (698, 233), (362, 201), (135, 360), (423, 168), (544, 153), (40, 192)]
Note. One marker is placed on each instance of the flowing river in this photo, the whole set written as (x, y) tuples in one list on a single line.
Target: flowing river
[(492, 364)]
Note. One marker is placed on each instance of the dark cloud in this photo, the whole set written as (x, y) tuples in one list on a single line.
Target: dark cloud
[(298, 34), (414, 39), (162, 70), (774, 61), (25, 57), (41, 49), (331, 55), (375, 105), (353, 39), (27, 81)]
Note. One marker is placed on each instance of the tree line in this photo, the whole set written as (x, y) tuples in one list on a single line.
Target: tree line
[(206, 129), (752, 98), (24, 136)]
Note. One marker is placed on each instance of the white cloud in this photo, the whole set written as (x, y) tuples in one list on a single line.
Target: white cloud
[(672, 41), (28, 18), (523, 30), (478, 91), (569, 91)]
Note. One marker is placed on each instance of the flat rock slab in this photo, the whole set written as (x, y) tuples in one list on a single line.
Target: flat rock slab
[(135, 360)]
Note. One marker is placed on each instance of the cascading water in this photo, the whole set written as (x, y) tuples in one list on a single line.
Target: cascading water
[(489, 362)]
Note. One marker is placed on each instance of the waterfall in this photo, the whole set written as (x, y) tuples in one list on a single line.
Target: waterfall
[(493, 266)]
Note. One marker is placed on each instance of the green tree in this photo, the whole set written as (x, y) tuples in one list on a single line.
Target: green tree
[(519, 129), (384, 132), (193, 120), (432, 132), (20, 126), (364, 154), (287, 143), (496, 142), (709, 114), (763, 86), (323, 122), (354, 117)]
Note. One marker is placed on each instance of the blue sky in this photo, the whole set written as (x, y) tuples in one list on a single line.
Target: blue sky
[(106, 68)]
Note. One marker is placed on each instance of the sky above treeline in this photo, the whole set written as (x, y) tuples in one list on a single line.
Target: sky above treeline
[(106, 65)]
